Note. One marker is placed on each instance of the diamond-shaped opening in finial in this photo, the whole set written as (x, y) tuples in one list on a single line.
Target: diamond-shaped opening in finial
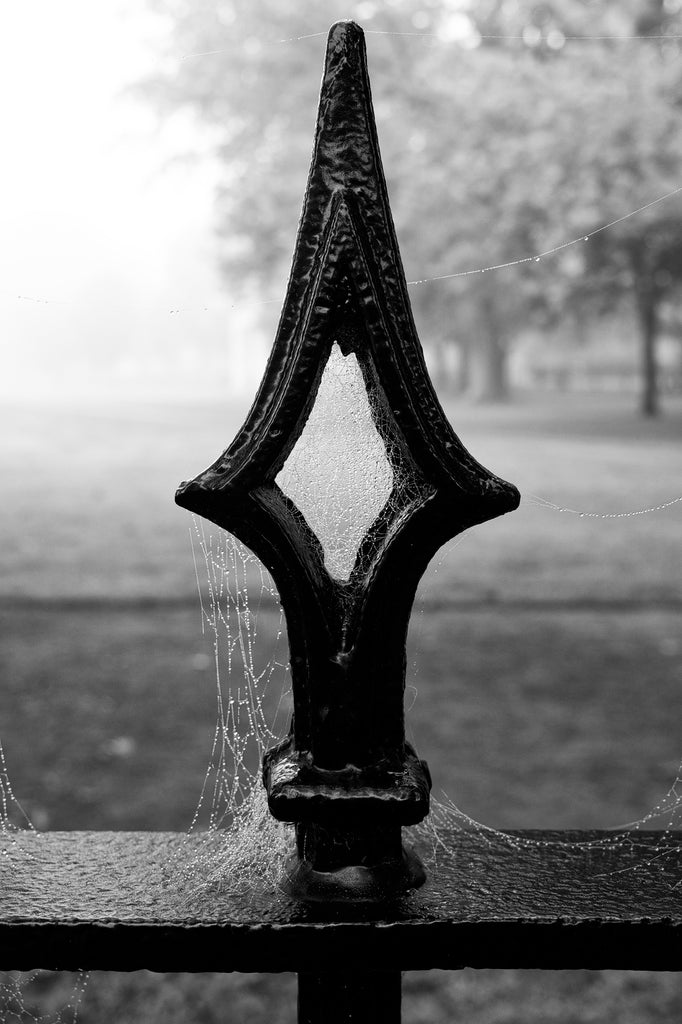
[(338, 474)]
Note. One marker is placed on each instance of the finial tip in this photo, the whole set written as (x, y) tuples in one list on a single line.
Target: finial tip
[(345, 32)]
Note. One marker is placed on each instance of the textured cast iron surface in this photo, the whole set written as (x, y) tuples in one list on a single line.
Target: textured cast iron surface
[(116, 900), (347, 638), (300, 790)]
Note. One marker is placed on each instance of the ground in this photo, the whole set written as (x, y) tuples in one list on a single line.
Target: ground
[(544, 665)]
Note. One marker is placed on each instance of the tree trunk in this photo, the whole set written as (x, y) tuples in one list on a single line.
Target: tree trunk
[(490, 382), (439, 366), (646, 300), (494, 386), (488, 347), (464, 372), (646, 308)]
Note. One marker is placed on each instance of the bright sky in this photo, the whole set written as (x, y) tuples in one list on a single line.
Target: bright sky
[(96, 222)]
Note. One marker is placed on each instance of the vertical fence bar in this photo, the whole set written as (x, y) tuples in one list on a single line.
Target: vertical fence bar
[(345, 775), (334, 997)]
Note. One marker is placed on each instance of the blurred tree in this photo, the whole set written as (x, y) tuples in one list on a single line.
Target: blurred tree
[(609, 109), (545, 152), (495, 150), (629, 152), (543, 23)]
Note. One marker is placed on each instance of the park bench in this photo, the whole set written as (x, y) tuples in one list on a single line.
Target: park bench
[(356, 907)]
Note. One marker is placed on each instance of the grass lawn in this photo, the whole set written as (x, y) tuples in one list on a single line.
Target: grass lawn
[(88, 510), (544, 663), (528, 718)]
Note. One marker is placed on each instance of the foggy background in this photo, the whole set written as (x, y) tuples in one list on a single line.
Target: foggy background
[(155, 157), (154, 161)]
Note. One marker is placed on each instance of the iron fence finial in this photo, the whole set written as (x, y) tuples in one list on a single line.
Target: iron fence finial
[(345, 774)]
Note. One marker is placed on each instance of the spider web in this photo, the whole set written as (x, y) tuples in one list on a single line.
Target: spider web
[(349, 464), (346, 467), (340, 448), (236, 845), (241, 845)]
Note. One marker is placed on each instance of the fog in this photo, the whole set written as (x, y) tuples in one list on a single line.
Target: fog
[(108, 284)]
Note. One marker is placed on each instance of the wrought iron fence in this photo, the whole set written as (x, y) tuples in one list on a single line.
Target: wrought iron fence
[(348, 919)]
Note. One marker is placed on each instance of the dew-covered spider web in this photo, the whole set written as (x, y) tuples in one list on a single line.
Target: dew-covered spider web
[(347, 470), (12, 814), (17, 992), (233, 844), (344, 471), (348, 467), (241, 845), (341, 449)]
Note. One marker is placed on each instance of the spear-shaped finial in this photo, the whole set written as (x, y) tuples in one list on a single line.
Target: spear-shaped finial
[(345, 774)]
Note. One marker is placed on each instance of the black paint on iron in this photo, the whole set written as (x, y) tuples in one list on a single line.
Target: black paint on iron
[(345, 775), (115, 901)]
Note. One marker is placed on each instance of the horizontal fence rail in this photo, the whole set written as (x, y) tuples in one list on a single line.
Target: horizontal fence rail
[(117, 901)]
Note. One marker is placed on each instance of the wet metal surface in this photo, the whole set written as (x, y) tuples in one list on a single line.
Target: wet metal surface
[(119, 901)]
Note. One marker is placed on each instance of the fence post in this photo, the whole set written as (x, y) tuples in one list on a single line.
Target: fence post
[(345, 774), (338, 998)]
